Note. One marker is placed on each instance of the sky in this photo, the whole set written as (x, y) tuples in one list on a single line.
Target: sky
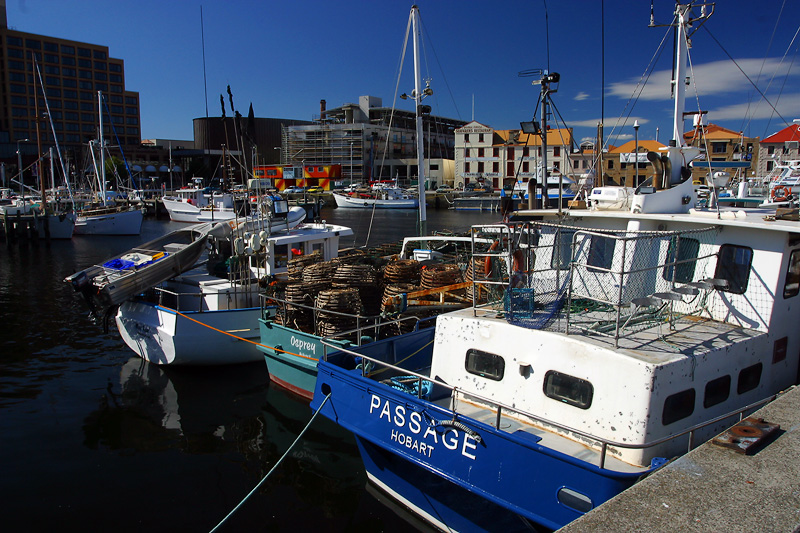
[(283, 57)]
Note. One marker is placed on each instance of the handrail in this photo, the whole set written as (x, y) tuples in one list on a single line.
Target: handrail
[(604, 443)]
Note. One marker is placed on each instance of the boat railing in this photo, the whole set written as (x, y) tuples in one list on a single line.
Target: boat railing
[(368, 366), (192, 302), (364, 324), (601, 282)]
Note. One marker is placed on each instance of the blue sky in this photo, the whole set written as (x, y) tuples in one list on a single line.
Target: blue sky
[(285, 56)]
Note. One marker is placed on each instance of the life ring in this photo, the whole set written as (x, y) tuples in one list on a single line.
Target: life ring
[(780, 193), (487, 262)]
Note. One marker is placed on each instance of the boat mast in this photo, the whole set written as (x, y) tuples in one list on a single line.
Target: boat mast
[(419, 93), (102, 148)]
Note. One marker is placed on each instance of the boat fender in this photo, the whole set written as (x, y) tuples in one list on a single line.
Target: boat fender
[(461, 427), (487, 262), (238, 246), (255, 242), (263, 235), (366, 204)]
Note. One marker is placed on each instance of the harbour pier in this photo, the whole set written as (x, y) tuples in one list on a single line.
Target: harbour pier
[(715, 488)]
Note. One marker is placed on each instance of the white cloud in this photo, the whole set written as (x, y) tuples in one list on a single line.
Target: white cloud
[(715, 78), (609, 122), (787, 106), (581, 96)]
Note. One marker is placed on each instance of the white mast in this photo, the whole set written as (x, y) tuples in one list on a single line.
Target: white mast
[(679, 82), (418, 94), (102, 148)]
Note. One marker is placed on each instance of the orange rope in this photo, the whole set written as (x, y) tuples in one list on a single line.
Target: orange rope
[(237, 337)]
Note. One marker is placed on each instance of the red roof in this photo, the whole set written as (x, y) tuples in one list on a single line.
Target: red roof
[(789, 133)]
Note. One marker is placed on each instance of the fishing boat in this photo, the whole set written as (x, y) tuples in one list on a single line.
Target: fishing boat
[(386, 197), (200, 204), (209, 316), (109, 284), (608, 342)]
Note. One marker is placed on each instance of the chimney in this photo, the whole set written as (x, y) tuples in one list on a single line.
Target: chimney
[(321, 109)]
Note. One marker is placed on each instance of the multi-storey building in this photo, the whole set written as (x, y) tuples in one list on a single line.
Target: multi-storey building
[(488, 156), (373, 142), (624, 165), (778, 147), (723, 145)]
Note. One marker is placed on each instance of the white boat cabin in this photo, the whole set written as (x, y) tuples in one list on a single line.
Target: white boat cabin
[(627, 330)]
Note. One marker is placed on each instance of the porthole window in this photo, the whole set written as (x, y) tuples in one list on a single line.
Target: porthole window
[(749, 378), (717, 391), (484, 364), (733, 265), (568, 389), (678, 406)]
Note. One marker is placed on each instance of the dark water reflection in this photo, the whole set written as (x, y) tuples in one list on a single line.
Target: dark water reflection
[(95, 439)]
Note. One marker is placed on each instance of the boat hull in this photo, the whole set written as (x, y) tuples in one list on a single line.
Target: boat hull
[(412, 450), (291, 356), (162, 336), (181, 211), (58, 226), (119, 223), (370, 203)]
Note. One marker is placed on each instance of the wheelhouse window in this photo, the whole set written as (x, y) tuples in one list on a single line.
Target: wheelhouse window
[(678, 406), (717, 391), (601, 253), (791, 286), (733, 265), (562, 250), (568, 389), (681, 259), (485, 364), (749, 378)]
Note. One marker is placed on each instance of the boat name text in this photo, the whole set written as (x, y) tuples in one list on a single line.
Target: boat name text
[(424, 437), (301, 345)]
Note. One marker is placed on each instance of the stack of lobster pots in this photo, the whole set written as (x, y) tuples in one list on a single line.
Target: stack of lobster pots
[(401, 276), (330, 303), (366, 279)]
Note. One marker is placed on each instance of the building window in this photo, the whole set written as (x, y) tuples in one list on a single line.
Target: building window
[(17, 65), (717, 391), (557, 151), (568, 389), (116, 78), (610, 164), (50, 80), (733, 265), (70, 105), (66, 49), (116, 88), (480, 152), (99, 54), (466, 137), (525, 167), (510, 154), (33, 44), (495, 152), (13, 41), (131, 100), (19, 112), (84, 52), (50, 58), (495, 167), (16, 76), (484, 364), (132, 121), (719, 148), (466, 152), (678, 406), (69, 61), (770, 165), (749, 378), (480, 167), (101, 86), (480, 137), (68, 93), (99, 65), (86, 96), (14, 52), (115, 99), (131, 111), (791, 285), (102, 76), (84, 63), (115, 67), (86, 106)]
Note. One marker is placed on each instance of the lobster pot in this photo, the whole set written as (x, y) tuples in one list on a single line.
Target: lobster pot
[(366, 279), (435, 276), (391, 305), (350, 256), (318, 277), (296, 265), (389, 248), (476, 265), (294, 316), (341, 301), (402, 271)]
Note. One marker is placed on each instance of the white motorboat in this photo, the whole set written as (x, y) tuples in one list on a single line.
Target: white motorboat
[(379, 198)]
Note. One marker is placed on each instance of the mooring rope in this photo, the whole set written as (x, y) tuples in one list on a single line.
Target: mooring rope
[(327, 396)]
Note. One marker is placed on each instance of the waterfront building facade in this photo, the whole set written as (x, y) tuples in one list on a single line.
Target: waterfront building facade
[(494, 157), (781, 146)]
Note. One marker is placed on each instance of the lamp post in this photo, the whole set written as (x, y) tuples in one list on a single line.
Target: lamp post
[(351, 162), (19, 163), (636, 155), (279, 152)]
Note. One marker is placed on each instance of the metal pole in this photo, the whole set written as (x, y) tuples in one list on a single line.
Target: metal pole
[(351, 162), (636, 155), (19, 165), (418, 101)]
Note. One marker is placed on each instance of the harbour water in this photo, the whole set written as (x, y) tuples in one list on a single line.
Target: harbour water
[(95, 439)]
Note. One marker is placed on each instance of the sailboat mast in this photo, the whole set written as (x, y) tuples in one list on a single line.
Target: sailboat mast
[(102, 148), (418, 100)]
